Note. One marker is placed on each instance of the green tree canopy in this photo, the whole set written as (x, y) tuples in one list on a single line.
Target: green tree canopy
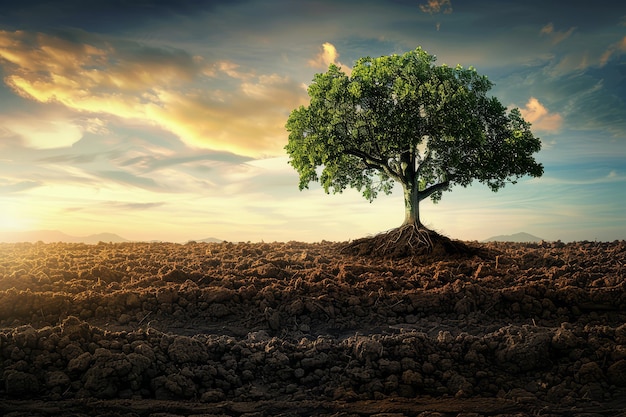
[(401, 118)]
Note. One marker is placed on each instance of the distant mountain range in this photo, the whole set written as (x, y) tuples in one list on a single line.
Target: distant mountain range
[(517, 237), (49, 236)]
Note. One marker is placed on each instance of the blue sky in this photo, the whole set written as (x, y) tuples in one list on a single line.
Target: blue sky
[(165, 120)]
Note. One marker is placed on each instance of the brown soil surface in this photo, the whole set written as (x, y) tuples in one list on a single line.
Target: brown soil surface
[(298, 329)]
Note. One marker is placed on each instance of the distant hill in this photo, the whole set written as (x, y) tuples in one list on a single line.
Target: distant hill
[(104, 237), (48, 236), (517, 237), (210, 240)]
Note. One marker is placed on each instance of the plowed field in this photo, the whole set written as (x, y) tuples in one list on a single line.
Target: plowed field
[(299, 329)]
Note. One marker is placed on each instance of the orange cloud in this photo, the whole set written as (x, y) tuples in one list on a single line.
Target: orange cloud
[(616, 49), (547, 29), (437, 6), (244, 114), (556, 36), (328, 55), (224, 67), (541, 119)]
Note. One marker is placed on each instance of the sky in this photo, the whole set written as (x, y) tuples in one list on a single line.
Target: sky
[(165, 120)]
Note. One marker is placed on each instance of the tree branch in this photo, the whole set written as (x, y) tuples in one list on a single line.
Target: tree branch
[(373, 162), (433, 189)]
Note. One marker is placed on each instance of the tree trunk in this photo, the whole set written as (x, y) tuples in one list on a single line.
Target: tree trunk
[(411, 206)]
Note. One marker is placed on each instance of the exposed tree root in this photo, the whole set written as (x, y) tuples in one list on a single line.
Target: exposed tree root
[(408, 240)]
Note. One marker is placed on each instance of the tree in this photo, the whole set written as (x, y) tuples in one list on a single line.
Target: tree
[(401, 118)]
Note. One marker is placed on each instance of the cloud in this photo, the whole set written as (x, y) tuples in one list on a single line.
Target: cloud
[(18, 187), (150, 162), (40, 132), (547, 29), (437, 6), (556, 36), (581, 55), (541, 119), (249, 121), (119, 205), (326, 56), (617, 48), (126, 178), (614, 175), (117, 165), (590, 178), (218, 106), (231, 69)]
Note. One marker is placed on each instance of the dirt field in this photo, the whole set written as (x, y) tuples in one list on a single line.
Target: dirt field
[(297, 329)]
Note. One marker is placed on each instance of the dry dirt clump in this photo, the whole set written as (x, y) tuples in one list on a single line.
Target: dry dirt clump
[(298, 329)]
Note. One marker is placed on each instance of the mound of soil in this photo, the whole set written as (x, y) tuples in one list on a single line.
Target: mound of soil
[(409, 240), (297, 329)]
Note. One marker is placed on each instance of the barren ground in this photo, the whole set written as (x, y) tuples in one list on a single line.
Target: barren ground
[(297, 329)]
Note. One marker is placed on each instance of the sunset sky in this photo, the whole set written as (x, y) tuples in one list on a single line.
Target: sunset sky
[(165, 120)]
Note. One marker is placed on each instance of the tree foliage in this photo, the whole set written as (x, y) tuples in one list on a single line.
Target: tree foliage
[(401, 118)]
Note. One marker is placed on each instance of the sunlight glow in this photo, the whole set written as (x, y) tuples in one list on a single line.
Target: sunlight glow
[(10, 218)]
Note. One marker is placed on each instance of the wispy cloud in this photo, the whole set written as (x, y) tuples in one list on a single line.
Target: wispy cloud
[(584, 178), (150, 162), (120, 205), (615, 49), (115, 206), (126, 178), (556, 36), (38, 132), (575, 52), (18, 187)]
